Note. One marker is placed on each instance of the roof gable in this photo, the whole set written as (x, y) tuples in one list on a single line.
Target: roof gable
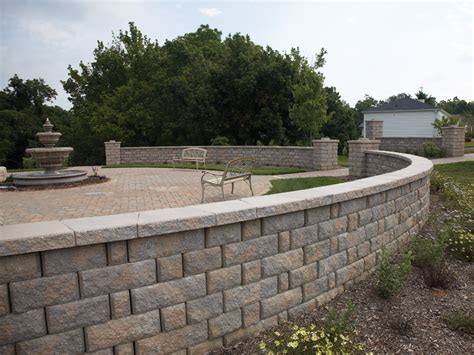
[(405, 104)]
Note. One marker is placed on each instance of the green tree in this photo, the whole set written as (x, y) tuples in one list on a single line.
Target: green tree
[(421, 95), (309, 108)]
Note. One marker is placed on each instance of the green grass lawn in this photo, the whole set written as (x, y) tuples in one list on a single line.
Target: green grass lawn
[(343, 160), (286, 185), (262, 170), (463, 172), (469, 145)]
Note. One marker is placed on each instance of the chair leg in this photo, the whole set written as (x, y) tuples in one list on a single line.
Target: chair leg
[(232, 188), (222, 189), (202, 194), (250, 184)]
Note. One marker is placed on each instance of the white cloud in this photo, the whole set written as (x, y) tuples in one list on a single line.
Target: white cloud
[(211, 12)]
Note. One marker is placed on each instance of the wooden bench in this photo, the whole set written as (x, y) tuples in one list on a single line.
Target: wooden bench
[(197, 155), (239, 169)]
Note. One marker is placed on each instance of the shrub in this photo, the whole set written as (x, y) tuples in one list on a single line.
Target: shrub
[(438, 124), (337, 335), (220, 140), (460, 321), (427, 251), (460, 241), (391, 275), (29, 163), (430, 149)]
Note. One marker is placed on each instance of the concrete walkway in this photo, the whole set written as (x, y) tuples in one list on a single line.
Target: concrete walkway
[(466, 157)]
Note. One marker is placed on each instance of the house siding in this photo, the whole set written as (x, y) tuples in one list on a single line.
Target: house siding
[(406, 124)]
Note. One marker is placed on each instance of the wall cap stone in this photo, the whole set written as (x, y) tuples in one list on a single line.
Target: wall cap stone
[(30, 237)]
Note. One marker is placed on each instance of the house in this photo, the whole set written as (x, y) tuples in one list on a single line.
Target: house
[(406, 117)]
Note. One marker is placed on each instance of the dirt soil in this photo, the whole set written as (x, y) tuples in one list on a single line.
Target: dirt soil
[(411, 321)]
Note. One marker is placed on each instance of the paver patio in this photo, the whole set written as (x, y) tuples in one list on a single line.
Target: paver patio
[(129, 190)]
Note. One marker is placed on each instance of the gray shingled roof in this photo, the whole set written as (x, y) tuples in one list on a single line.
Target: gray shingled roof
[(406, 103)]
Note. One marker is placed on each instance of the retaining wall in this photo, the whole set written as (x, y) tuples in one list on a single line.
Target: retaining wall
[(321, 156), (409, 145), (200, 277)]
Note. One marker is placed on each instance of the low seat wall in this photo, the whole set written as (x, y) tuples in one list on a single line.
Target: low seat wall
[(203, 276)]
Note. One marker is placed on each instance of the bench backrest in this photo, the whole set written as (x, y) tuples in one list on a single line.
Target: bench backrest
[(238, 167), (194, 153)]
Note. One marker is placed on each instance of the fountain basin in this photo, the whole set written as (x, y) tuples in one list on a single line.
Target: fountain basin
[(39, 178), (50, 158)]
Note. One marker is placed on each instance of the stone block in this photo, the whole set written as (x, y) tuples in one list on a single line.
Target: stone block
[(313, 289), (370, 261), (32, 237), (365, 217), (78, 314), (281, 302), (173, 317), (351, 206), (239, 334), (225, 323), (4, 300), (282, 222), (304, 236), (63, 261), (352, 255), (317, 251), (251, 229), (227, 212), (282, 317), (283, 241), (363, 249), (332, 227), (17, 327), (349, 240), (226, 234), (301, 309), (352, 222), (251, 314), (122, 330), (371, 230), (334, 210), (19, 267), (283, 282), (276, 264), (165, 245), (175, 340), (8, 349), (253, 249), (349, 272), (93, 230), (45, 291), (251, 272), (205, 308), (63, 343), (318, 214), (391, 221), (331, 264), (120, 305), (117, 252), (170, 268), (303, 275), (168, 293), (124, 349), (251, 293), (206, 347), (197, 262), (224, 279), (117, 278)]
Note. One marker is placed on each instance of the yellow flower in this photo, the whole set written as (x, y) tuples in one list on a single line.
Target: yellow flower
[(292, 344), (262, 346)]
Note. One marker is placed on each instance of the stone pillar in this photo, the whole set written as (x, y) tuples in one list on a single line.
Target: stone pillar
[(112, 153), (357, 159), (453, 140), (374, 129), (325, 154)]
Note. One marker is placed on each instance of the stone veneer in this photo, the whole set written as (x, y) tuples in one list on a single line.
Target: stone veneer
[(196, 278), (321, 156)]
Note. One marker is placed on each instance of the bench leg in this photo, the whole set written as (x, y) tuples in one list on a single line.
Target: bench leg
[(222, 189), (202, 194), (232, 188), (250, 184)]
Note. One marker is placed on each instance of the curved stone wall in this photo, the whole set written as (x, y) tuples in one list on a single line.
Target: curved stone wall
[(203, 276)]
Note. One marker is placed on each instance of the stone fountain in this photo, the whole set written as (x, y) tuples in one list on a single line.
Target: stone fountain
[(51, 159)]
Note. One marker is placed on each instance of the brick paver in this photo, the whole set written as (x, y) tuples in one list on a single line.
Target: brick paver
[(129, 190)]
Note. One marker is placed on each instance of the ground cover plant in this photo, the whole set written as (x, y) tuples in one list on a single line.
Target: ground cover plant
[(286, 185)]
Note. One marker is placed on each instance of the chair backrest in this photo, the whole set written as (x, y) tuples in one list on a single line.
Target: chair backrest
[(238, 167), (194, 153)]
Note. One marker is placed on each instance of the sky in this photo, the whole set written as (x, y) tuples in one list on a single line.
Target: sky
[(375, 48)]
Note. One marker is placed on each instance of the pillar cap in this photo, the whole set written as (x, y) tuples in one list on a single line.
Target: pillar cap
[(325, 140)]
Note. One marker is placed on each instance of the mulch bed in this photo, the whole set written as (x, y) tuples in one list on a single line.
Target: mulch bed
[(409, 321), (89, 181)]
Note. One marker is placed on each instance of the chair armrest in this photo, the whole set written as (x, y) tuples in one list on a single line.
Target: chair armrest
[(204, 173)]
